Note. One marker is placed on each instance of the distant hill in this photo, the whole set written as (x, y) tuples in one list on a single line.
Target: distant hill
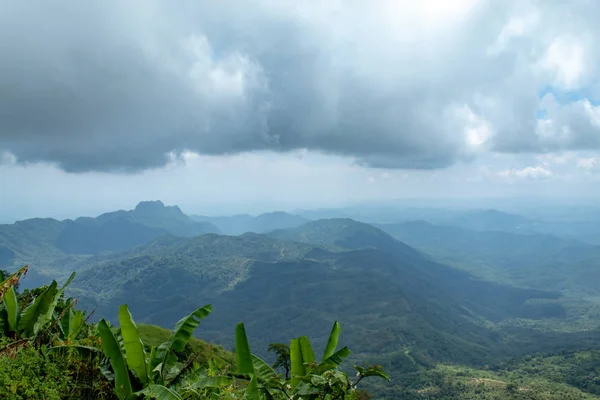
[(47, 244), (480, 219), (154, 214), (535, 260), (491, 220), (238, 224), (445, 239), (387, 295)]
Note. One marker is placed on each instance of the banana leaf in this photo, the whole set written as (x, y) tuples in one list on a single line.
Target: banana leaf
[(11, 305), (184, 329), (298, 369), (112, 351), (159, 392), (71, 324), (243, 356), (134, 347), (308, 355), (334, 360), (332, 342), (262, 370), (39, 312)]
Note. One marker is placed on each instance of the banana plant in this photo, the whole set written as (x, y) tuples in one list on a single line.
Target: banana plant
[(71, 323), (155, 371), (26, 324), (302, 356), (312, 379)]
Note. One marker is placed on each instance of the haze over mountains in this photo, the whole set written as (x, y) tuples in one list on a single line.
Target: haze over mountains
[(469, 286)]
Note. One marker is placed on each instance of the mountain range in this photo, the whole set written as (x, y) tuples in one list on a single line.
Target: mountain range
[(407, 294)]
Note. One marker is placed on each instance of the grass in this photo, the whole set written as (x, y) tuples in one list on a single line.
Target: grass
[(153, 335)]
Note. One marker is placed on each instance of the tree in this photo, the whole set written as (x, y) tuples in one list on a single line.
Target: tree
[(283, 357)]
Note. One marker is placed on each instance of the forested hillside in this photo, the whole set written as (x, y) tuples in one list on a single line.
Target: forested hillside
[(449, 312)]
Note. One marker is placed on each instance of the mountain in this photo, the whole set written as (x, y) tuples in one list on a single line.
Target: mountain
[(491, 220), (238, 224), (579, 223), (535, 260), (154, 214), (388, 296), (446, 240), (344, 233), (480, 219), (50, 246)]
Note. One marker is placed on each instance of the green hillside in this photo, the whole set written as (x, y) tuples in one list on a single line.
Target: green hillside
[(153, 335), (52, 248), (389, 297), (440, 310), (267, 222)]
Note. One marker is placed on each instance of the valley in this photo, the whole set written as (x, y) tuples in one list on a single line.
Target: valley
[(443, 308)]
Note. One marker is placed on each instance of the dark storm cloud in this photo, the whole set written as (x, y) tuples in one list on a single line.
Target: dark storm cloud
[(126, 86)]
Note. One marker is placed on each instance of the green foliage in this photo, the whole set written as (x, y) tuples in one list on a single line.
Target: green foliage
[(11, 305), (112, 350), (243, 356), (125, 351), (29, 376), (446, 382), (310, 379), (282, 352), (134, 347)]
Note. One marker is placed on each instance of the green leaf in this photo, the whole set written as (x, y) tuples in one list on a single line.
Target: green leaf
[(243, 356), (134, 347), (62, 289), (306, 389), (252, 388), (372, 371), (159, 392), (212, 382), (298, 369), (12, 309), (39, 312), (318, 380), (336, 358), (112, 351), (71, 323), (333, 340), (262, 370), (308, 355), (185, 328), (76, 324)]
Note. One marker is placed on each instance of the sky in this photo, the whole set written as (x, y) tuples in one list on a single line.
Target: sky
[(244, 105)]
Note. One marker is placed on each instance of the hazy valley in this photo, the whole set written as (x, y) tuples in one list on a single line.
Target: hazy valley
[(410, 295)]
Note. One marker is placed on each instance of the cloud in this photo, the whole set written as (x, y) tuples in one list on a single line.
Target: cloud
[(530, 173), (588, 163), (128, 86)]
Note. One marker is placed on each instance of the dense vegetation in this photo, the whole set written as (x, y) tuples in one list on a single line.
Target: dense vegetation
[(49, 350), (44, 338), (442, 310)]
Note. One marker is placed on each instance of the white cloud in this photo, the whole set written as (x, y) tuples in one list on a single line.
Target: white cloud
[(588, 164), (517, 26), (530, 173), (566, 61), (7, 158), (549, 159)]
